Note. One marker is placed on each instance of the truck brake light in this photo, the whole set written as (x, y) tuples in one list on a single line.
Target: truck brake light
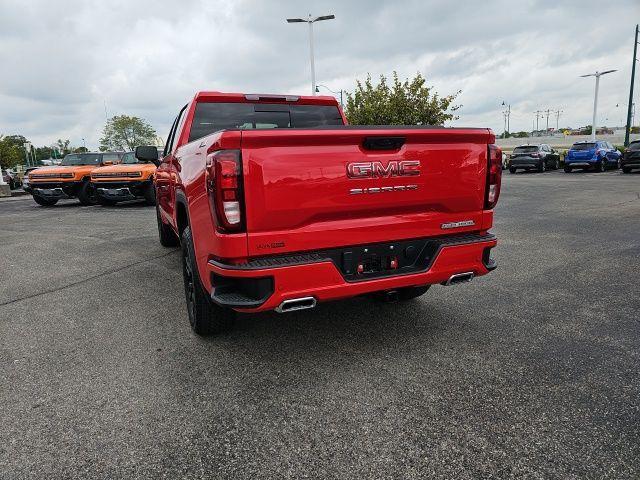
[(494, 176), (224, 186)]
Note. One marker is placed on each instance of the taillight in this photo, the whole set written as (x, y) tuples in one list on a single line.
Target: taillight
[(224, 185), (494, 176)]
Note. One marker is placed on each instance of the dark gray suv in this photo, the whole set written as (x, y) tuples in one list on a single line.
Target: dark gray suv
[(534, 157)]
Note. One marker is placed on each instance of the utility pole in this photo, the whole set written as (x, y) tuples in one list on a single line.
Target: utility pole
[(538, 115), (633, 76), (557, 112), (310, 20), (548, 121)]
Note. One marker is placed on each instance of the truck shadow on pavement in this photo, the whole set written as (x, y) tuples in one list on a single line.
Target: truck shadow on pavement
[(359, 324)]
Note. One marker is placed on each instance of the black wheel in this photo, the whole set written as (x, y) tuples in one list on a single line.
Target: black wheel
[(45, 202), (601, 166), (206, 317), (567, 169), (619, 164), (87, 194), (556, 164), (543, 166), (626, 170), (166, 235), (150, 194), (512, 170), (106, 202)]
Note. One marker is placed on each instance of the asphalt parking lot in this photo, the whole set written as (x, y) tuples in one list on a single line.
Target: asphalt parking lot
[(532, 371)]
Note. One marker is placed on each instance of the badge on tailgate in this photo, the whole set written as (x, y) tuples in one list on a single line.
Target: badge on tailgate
[(394, 168)]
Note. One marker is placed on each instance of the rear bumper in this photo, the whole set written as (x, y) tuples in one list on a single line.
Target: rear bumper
[(633, 162), (582, 162), (322, 279), (524, 162)]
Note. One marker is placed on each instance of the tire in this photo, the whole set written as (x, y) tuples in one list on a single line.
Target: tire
[(626, 170), (205, 317), (150, 195), (543, 166), (166, 235), (567, 169), (512, 170), (87, 194), (45, 202), (619, 164), (600, 166)]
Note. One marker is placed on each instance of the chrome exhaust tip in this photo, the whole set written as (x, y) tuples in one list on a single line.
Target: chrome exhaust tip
[(459, 278), (302, 303)]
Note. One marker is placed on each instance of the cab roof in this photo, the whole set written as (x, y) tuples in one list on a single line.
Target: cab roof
[(213, 96)]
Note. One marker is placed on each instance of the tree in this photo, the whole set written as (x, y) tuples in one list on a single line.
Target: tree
[(64, 146), (12, 151), (123, 132), (80, 150), (403, 103)]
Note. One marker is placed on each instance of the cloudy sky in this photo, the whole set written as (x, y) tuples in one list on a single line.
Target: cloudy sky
[(63, 61)]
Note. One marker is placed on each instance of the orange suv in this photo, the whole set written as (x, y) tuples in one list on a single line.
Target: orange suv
[(129, 180), (69, 179)]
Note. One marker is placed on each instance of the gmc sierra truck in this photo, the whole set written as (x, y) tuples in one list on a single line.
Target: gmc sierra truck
[(278, 204)]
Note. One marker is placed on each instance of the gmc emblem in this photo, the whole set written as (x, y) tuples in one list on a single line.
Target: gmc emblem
[(394, 168)]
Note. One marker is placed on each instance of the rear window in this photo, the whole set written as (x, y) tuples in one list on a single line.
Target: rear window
[(528, 149), (211, 117), (583, 146), (634, 146)]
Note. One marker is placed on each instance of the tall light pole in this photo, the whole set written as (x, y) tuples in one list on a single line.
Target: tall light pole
[(595, 99), (311, 20), (507, 114)]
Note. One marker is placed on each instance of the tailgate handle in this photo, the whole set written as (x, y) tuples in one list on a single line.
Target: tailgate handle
[(383, 143)]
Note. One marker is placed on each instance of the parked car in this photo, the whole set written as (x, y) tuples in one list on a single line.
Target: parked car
[(11, 179), (598, 156), (534, 157), (70, 179), (129, 180), (25, 179), (631, 157), (273, 213)]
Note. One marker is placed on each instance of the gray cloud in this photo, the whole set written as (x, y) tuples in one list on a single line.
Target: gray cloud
[(64, 59)]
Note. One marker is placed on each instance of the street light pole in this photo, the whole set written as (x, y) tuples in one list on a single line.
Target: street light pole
[(595, 99), (311, 21)]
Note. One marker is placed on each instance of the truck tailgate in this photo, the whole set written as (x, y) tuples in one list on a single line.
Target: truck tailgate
[(325, 188)]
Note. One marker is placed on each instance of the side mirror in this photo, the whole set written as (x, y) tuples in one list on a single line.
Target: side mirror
[(148, 153)]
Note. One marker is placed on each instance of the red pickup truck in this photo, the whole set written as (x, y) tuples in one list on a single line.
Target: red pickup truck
[(278, 204)]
